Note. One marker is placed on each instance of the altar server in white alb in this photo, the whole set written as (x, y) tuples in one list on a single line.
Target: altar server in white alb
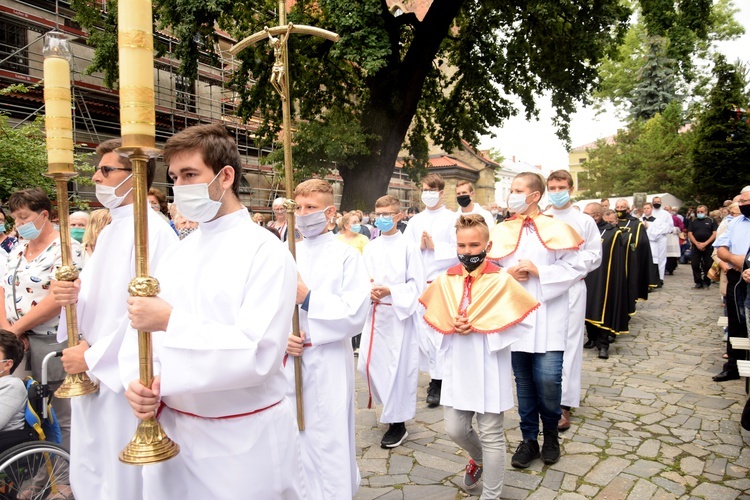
[(333, 293), (102, 423), (389, 351), (478, 310), (220, 328), (658, 225), (433, 231), (560, 187)]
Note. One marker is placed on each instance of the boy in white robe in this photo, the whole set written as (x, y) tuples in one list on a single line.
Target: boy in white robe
[(102, 423), (478, 309), (389, 350), (433, 232), (560, 187), (333, 292), (220, 325), (542, 254)]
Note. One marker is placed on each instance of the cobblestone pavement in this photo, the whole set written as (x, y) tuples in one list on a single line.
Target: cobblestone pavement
[(652, 423)]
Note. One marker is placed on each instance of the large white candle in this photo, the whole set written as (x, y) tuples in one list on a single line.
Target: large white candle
[(136, 44), (59, 118)]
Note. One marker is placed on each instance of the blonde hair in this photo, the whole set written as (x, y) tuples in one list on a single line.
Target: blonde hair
[(98, 220), (388, 201), (347, 217), (473, 221), (311, 186)]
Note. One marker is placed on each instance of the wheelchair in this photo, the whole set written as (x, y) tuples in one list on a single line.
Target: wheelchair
[(32, 465)]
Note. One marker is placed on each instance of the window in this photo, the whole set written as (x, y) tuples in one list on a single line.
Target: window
[(13, 40)]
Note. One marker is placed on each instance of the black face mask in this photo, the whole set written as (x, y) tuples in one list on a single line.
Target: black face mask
[(745, 210), (621, 214), (464, 200), (657, 205), (471, 262)]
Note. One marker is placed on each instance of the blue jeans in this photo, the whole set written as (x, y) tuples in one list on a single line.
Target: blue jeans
[(539, 390)]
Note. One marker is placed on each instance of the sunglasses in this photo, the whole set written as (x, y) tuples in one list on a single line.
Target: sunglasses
[(107, 170)]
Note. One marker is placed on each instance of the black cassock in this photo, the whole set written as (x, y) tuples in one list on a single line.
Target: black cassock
[(640, 260), (607, 292)]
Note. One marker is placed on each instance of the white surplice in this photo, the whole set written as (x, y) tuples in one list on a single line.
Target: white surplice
[(591, 255), (339, 297), (232, 286), (657, 232), (558, 271), (440, 224), (102, 424), (389, 349)]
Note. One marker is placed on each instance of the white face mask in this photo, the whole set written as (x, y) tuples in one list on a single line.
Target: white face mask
[(517, 202), (430, 198), (312, 224), (194, 202), (107, 195)]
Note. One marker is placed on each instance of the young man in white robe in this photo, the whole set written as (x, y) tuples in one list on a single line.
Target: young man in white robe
[(433, 231), (389, 350), (560, 187), (657, 231), (333, 294), (102, 423), (220, 326), (542, 254)]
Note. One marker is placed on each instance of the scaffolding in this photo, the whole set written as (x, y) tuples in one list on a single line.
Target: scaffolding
[(180, 102)]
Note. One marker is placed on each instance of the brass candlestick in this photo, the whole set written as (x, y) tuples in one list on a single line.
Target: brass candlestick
[(150, 444)]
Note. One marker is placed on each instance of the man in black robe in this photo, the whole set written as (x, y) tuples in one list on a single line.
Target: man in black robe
[(606, 291), (639, 259)]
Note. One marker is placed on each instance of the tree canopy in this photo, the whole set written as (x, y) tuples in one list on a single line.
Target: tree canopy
[(721, 152), (392, 81)]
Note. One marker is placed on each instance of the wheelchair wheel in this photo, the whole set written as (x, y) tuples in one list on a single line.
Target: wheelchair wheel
[(33, 471)]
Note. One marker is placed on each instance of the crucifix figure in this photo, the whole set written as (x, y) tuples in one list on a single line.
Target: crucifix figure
[(281, 81)]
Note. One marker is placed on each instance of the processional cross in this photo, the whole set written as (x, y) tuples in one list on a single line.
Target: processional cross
[(278, 38)]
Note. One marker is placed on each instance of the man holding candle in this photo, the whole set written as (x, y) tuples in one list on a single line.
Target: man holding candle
[(221, 323), (102, 423)]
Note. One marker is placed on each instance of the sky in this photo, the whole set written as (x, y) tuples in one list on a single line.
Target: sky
[(535, 142)]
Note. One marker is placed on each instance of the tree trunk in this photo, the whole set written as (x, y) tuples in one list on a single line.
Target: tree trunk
[(395, 92)]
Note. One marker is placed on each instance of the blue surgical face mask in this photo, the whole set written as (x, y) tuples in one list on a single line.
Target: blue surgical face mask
[(2, 227), (29, 231), (559, 198), (384, 223), (701, 216), (356, 227)]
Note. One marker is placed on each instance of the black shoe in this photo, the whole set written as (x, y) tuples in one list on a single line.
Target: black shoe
[(726, 375), (603, 353), (698, 285), (611, 337), (589, 345), (526, 452), (551, 447), (394, 436), (433, 393)]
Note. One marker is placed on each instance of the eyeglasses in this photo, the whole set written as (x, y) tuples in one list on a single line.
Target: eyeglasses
[(105, 170)]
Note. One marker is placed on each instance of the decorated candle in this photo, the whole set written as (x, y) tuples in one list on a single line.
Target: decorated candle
[(136, 44), (57, 103)]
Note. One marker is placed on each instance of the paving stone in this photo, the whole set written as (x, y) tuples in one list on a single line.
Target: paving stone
[(552, 480), (400, 465), (649, 449), (434, 475), (645, 468), (714, 492), (642, 489), (575, 464), (588, 490), (617, 489), (543, 494), (606, 471), (692, 466), (389, 480), (670, 486)]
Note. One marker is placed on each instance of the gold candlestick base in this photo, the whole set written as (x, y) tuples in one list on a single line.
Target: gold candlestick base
[(150, 445), (76, 384)]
